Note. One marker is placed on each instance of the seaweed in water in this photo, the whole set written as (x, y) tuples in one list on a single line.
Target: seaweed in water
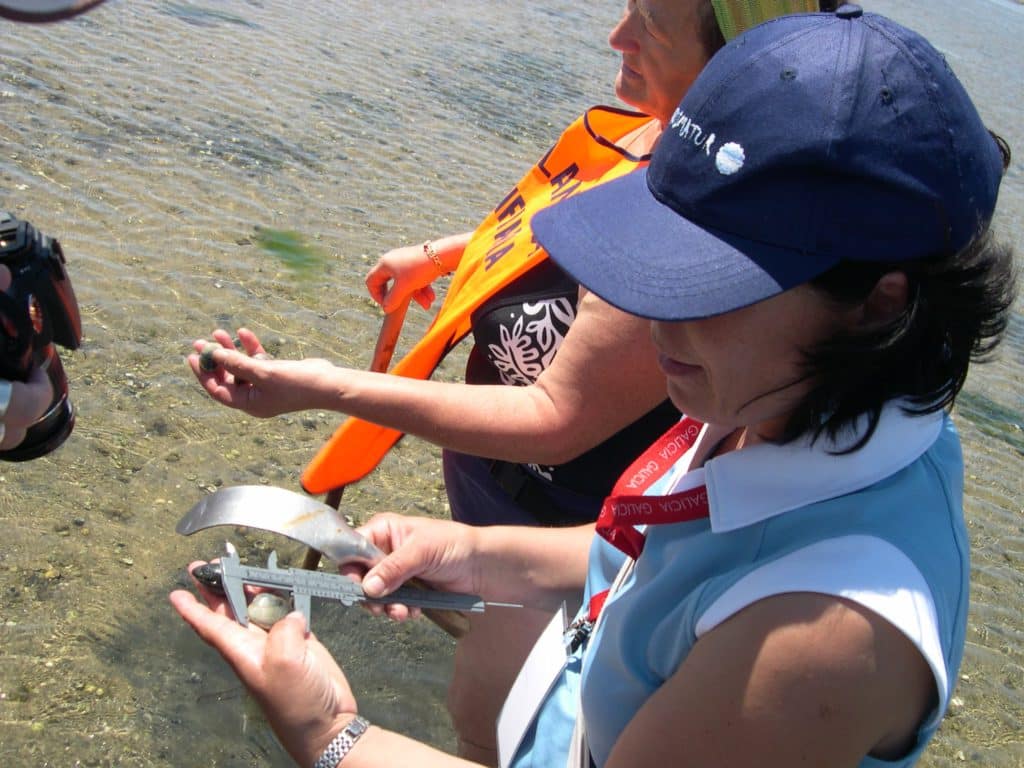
[(291, 249)]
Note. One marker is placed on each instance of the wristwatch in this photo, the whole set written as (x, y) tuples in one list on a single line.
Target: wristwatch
[(342, 743)]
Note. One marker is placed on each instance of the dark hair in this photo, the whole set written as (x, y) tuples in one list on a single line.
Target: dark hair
[(958, 307)]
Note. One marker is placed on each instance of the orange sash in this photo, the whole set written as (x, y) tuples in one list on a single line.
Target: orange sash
[(501, 249)]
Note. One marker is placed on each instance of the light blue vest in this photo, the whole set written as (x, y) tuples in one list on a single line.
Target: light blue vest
[(649, 629)]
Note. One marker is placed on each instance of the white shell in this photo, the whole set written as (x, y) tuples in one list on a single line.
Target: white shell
[(268, 608)]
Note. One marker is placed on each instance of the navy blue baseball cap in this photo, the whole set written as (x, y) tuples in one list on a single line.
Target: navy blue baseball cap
[(810, 140)]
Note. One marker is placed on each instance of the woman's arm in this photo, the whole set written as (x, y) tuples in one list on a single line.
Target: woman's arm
[(796, 679), (304, 693), (604, 377)]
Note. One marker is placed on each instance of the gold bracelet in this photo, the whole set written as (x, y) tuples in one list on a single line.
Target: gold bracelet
[(431, 253)]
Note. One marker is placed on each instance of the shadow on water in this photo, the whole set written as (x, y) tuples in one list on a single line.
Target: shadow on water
[(993, 419), (501, 96), (205, 16)]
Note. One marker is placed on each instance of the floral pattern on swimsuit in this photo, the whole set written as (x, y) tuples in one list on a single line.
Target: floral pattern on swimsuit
[(528, 344)]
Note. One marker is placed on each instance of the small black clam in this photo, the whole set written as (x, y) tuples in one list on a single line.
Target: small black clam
[(206, 361)]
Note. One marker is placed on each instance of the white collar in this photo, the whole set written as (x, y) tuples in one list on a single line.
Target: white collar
[(765, 480)]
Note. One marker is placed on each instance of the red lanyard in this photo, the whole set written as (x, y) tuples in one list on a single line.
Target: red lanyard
[(627, 507)]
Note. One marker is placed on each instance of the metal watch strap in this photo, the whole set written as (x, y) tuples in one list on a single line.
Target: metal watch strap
[(342, 743)]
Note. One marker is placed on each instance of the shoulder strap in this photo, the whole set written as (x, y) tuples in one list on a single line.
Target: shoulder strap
[(579, 747)]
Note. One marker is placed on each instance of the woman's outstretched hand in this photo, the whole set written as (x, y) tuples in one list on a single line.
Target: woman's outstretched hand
[(253, 382), (299, 686)]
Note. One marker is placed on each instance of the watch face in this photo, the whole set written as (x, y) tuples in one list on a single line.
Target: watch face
[(43, 10)]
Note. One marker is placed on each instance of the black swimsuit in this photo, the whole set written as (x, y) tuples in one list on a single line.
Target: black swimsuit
[(517, 333)]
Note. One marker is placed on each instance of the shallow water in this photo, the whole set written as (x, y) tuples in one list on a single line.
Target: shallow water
[(153, 138)]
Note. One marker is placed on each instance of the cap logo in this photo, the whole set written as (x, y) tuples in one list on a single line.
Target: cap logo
[(730, 158), (690, 131)]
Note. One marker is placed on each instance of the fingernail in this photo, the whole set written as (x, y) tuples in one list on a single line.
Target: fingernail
[(373, 585)]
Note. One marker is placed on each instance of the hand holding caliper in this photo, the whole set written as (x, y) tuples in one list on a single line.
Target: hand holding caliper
[(230, 577)]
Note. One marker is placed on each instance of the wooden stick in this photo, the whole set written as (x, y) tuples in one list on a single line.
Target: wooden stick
[(387, 340), (454, 623)]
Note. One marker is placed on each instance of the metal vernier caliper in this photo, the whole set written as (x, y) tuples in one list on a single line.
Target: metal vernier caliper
[(230, 576)]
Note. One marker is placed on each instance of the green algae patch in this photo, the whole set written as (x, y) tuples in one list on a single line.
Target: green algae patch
[(292, 250)]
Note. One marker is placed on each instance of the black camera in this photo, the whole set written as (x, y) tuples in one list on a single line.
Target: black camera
[(36, 312)]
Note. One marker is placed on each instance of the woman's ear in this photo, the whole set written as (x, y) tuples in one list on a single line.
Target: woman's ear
[(887, 299)]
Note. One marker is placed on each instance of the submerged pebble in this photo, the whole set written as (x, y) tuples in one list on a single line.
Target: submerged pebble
[(267, 608), (206, 361)]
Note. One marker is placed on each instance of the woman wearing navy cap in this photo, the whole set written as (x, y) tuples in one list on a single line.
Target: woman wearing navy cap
[(561, 392), (782, 578)]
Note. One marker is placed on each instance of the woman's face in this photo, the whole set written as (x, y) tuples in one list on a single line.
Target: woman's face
[(662, 53), (744, 368)]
